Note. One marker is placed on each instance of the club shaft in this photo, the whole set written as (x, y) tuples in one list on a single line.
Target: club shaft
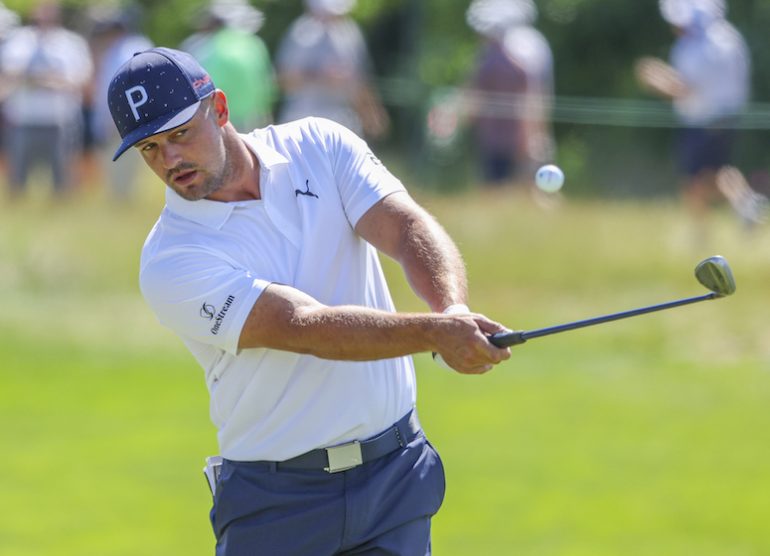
[(505, 339)]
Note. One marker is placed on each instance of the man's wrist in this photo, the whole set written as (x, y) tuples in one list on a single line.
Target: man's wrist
[(454, 309)]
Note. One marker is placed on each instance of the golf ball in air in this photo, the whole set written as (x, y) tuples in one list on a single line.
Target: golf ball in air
[(549, 178)]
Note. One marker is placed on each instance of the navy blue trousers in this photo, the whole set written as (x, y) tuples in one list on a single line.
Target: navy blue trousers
[(382, 507)]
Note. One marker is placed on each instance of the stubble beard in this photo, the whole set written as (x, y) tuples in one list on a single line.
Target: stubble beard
[(211, 183)]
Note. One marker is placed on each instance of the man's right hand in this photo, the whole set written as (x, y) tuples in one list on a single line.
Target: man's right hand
[(464, 346)]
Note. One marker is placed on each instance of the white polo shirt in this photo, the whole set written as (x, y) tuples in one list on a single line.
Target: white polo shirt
[(205, 263)]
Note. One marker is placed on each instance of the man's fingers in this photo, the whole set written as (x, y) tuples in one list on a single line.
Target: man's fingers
[(467, 349), (489, 326), (480, 370)]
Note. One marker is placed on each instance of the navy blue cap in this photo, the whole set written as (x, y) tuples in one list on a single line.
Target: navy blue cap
[(156, 90)]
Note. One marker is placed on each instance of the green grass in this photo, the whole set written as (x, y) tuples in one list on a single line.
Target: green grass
[(641, 437)]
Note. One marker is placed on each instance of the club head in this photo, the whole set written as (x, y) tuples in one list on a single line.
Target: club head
[(715, 274)]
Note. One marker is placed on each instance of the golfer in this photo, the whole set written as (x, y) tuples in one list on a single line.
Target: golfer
[(264, 261)]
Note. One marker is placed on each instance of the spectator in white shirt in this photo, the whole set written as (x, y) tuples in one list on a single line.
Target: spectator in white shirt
[(45, 69)]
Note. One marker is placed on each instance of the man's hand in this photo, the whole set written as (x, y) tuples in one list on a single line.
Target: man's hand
[(463, 344), (658, 77)]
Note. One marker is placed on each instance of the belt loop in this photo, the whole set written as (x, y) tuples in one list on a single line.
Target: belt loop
[(273, 466)]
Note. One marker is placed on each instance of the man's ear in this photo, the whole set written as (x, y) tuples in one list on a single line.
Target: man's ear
[(220, 107)]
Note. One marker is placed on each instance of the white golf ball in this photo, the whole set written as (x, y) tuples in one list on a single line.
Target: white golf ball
[(549, 178)]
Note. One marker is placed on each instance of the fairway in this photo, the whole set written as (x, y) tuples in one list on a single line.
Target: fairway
[(646, 436)]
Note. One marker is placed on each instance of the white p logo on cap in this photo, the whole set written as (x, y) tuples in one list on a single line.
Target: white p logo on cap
[(135, 103)]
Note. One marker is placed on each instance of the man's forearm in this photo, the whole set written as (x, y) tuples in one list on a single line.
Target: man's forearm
[(287, 319), (353, 333)]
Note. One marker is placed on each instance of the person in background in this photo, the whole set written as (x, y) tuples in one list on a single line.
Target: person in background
[(9, 20), (45, 69), (708, 81), (509, 95), (226, 44), (115, 38), (324, 69)]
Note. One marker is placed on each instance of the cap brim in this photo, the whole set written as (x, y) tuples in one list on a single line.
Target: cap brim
[(159, 125)]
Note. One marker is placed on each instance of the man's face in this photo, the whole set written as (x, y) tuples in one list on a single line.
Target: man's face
[(191, 159)]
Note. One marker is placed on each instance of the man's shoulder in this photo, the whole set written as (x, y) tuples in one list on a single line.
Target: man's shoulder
[(158, 235), (309, 124), (305, 133), (170, 231), (172, 236)]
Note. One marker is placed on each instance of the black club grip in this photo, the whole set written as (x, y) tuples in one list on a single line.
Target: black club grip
[(507, 339)]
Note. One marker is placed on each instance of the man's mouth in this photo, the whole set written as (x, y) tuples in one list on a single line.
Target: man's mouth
[(185, 177)]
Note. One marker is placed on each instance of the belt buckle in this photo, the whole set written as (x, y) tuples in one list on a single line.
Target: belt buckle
[(344, 457)]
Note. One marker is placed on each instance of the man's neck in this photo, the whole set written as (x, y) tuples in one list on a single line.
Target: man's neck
[(244, 182)]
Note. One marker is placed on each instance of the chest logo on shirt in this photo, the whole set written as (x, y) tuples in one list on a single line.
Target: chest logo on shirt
[(307, 192)]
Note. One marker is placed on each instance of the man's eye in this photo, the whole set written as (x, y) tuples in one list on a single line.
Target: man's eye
[(148, 147), (180, 133)]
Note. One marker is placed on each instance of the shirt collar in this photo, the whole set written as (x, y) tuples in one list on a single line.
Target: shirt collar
[(214, 214), (267, 155)]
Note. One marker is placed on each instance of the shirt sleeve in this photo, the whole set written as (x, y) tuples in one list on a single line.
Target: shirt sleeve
[(200, 295), (362, 179)]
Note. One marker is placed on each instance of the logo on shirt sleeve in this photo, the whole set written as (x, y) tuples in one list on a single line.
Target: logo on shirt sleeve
[(209, 312), (376, 161)]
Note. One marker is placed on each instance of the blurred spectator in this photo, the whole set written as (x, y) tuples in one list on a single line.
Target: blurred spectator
[(114, 39), (238, 61), (510, 92), (45, 69), (9, 20), (708, 82), (324, 70)]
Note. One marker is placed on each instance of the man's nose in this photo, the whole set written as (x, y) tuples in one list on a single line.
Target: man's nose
[(171, 156)]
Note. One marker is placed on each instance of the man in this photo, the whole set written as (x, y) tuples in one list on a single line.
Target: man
[(708, 81), (264, 262), (510, 91), (324, 69)]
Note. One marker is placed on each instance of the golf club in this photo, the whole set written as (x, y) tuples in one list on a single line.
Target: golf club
[(714, 273)]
